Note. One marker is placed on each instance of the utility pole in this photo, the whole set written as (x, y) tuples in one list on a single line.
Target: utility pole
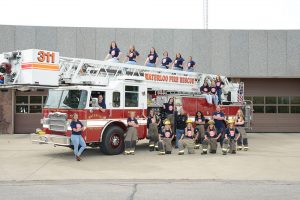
[(205, 14)]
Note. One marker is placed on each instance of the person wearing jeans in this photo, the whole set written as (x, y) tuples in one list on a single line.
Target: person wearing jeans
[(76, 136), (180, 124), (219, 118)]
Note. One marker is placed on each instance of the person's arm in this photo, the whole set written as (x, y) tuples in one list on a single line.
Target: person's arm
[(73, 126), (107, 56), (156, 59), (82, 127), (219, 135), (238, 134), (146, 61), (136, 124)]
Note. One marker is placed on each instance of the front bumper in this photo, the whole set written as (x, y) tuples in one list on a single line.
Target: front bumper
[(56, 140)]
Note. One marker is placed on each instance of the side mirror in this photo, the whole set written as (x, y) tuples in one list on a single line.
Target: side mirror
[(95, 102)]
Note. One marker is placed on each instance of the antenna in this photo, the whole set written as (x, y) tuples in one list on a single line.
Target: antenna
[(205, 14)]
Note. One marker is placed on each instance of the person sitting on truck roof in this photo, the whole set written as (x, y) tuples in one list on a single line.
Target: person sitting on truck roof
[(190, 65), (205, 90), (219, 85), (165, 61), (178, 62), (76, 137), (213, 92), (114, 52), (151, 58), (131, 56), (101, 103)]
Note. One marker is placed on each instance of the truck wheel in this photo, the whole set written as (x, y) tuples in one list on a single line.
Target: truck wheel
[(112, 141)]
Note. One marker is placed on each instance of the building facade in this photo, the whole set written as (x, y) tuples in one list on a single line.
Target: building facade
[(268, 61)]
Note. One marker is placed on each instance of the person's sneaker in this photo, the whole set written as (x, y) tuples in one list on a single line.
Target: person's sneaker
[(168, 152), (132, 152), (233, 152), (197, 146), (245, 148), (204, 153), (180, 152), (161, 153), (156, 148), (239, 148), (126, 152)]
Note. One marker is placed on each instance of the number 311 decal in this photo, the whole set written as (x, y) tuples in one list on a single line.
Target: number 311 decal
[(46, 56)]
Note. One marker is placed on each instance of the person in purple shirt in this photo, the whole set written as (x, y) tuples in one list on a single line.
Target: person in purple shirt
[(76, 137), (114, 52), (219, 117), (131, 56), (178, 62), (152, 58), (190, 64), (165, 61)]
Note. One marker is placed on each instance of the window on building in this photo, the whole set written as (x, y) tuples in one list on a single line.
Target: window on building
[(131, 96), (29, 104), (259, 109)]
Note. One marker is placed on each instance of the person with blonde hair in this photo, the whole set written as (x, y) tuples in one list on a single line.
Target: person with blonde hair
[(187, 139), (131, 56), (165, 139), (240, 125), (131, 134), (211, 138), (76, 137), (231, 136)]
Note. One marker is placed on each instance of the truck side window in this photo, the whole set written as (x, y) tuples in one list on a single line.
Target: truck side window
[(131, 96), (116, 99)]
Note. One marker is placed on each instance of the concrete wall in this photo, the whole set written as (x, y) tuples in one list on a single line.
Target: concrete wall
[(236, 53)]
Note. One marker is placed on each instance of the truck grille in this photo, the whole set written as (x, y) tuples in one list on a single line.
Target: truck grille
[(58, 122)]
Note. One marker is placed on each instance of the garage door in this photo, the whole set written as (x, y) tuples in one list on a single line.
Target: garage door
[(276, 104)]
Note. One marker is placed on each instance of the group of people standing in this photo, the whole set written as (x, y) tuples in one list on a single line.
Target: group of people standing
[(114, 55), (191, 134)]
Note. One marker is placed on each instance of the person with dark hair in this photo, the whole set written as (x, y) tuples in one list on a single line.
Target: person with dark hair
[(131, 56), (152, 124), (151, 58), (101, 103), (190, 64), (211, 138), (205, 90), (76, 137), (165, 61), (131, 134), (178, 62), (169, 111), (231, 136), (213, 92), (219, 118), (200, 122), (114, 52), (219, 86), (180, 125)]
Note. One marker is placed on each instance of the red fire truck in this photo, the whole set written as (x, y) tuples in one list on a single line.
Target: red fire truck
[(75, 85)]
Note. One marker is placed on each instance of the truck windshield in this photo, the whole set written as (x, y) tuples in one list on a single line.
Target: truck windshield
[(68, 99)]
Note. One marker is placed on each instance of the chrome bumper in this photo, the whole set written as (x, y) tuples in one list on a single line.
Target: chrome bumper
[(51, 139)]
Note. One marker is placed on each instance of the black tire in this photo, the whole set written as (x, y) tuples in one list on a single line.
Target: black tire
[(109, 144)]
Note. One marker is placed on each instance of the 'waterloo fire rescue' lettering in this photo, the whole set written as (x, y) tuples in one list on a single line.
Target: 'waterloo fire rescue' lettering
[(169, 78)]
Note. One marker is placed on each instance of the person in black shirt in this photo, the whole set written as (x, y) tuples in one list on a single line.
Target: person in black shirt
[(200, 122), (211, 138), (240, 125), (219, 85), (165, 139), (180, 124), (152, 124), (131, 134), (165, 61), (114, 52), (169, 111), (178, 62), (132, 55), (205, 90), (190, 65), (76, 137), (101, 103), (231, 136), (151, 58), (213, 92), (187, 139)]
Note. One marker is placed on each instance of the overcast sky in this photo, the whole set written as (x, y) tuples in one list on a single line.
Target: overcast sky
[(223, 14)]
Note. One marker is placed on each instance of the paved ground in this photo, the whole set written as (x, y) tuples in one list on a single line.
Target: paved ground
[(154, 190), (273, 157)]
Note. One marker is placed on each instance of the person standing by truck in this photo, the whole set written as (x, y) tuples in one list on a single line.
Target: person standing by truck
[(169, 111), (76, 137), (240, 125), (219, 118), (131, 134), (152, 124), (180, 124)]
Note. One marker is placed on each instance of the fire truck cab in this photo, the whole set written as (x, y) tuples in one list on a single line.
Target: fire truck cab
[(78, 85)]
